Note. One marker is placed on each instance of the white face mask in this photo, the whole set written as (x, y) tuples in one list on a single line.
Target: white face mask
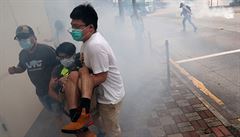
[(25, 43), (68, 62)]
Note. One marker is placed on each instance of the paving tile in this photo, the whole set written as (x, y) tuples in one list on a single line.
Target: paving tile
[(194, 101), (143, 132), (129, 134), (154, 114), (191, 134), (171, 129), (177, 96), (217, 132), (195, 124), (163, 113), (166, 120), (182, 103), (208, 135), (175, 93), (170, 105), (160, 107), (206, 114), (175, 135), (167, 99), (180, 118), (202, 123), (192, 116), (202, 114), (187, 109), (222, 129), (209, 113), (189, 96), (213, 122), (157, 131), (199, 107), (175, 111), (185, 126), (153, 122)]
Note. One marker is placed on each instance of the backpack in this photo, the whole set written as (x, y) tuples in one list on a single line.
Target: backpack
[(189, 8)]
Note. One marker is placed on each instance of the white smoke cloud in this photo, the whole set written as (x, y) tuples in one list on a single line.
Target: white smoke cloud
[(201, 8)]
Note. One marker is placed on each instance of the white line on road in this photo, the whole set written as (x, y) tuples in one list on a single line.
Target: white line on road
[(208, 56)]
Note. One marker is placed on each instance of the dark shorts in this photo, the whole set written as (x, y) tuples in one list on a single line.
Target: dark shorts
[(50, 104)]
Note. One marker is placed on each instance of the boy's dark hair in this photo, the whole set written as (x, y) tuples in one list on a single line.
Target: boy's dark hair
[(66, 48), (86, 13)]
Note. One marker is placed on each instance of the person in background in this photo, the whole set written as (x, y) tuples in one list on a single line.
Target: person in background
[(60, 34), (187, 16)]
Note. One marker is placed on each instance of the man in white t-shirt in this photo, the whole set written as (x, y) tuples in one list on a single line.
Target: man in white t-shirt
[(98, 57)]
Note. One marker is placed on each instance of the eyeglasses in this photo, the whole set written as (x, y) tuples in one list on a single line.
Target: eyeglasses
[(70, 30)]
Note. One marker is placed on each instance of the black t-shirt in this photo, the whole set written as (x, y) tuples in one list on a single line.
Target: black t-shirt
[(39, 65)]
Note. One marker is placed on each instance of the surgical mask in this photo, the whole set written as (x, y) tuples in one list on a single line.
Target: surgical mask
[(77, 34), (68, 62), (25, 43)]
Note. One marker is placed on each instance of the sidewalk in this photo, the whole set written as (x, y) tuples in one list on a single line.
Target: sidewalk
[(149, 110), (181, 114)]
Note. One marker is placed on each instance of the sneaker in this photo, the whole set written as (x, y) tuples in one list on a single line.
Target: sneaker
[(81, 125)]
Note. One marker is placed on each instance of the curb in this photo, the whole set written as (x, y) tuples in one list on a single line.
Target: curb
[(219, 116)]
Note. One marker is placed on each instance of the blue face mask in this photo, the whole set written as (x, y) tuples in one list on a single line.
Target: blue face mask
[(25, 43)]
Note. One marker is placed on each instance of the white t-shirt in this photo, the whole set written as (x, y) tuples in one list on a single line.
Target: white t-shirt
[(99, 57)]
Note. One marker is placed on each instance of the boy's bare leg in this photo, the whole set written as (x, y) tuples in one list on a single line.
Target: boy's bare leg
[(79, 117), (85, 83), (71, 90)]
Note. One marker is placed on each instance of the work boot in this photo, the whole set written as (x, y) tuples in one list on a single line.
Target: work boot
[(81, 125)]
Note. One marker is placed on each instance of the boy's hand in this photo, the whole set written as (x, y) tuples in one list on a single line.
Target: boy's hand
[(63, 80)]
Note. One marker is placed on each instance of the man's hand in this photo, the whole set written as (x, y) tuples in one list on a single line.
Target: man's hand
[(12, 70), (64, 80)]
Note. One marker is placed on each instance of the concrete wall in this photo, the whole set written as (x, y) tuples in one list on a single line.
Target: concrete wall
[(19, 105)]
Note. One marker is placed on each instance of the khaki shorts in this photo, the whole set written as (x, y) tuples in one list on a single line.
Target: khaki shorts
[(106, 117)]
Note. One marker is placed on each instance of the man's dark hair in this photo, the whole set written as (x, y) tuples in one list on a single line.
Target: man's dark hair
[(66, 48), (86, 13)]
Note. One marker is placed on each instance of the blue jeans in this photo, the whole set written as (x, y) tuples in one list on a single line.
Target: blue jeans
[(189, 19)]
